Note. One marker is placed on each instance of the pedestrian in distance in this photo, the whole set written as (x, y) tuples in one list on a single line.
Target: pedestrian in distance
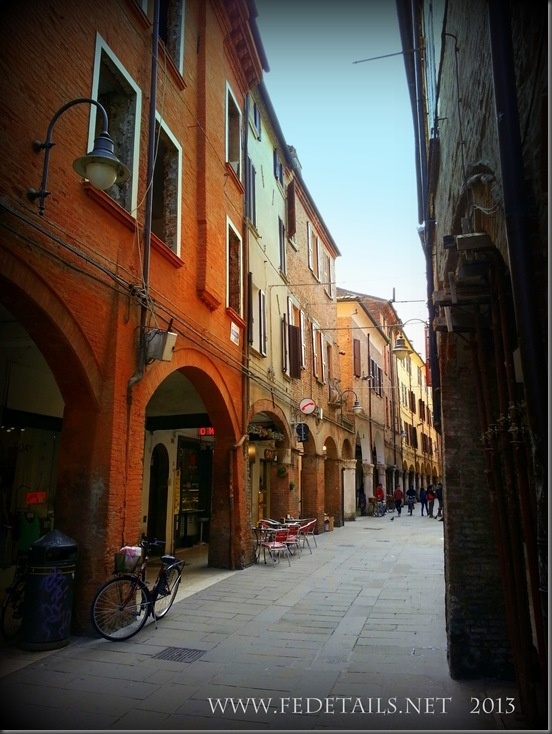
[(411, 499), (439, 495), (423, 500), (380, 494), (362, 502), (398, 497), (430, 500)]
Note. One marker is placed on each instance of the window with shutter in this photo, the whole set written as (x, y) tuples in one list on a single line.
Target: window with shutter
[(285, 345), (234, 288), (315, 360), (262, 323), (319, 265), (278, 168), (290, 205), (356, 358), (233, 132), (303, 340), (250, 195), (282, 245), (294, 351)]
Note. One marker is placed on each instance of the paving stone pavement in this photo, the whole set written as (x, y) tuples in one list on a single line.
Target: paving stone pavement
[(351, 637)]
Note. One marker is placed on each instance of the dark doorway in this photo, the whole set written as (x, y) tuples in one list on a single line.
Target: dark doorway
[(158, 491)]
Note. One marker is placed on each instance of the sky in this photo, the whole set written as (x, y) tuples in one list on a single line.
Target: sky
[(350, 122)]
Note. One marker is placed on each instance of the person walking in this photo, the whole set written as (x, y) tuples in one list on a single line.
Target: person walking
[(439, 495), (411, 499), (398, 497), (430, 500), (423, 500), (362, 502)]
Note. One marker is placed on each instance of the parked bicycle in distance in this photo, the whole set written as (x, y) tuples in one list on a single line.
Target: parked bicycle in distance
[(122, 605), (11, 612)]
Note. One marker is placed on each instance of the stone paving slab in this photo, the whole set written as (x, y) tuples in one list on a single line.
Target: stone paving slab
[(359, 624)]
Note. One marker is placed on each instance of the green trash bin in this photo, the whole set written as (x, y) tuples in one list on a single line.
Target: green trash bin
[(48, 602)]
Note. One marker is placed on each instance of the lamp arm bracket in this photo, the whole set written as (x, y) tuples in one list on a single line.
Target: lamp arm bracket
[(66, 106), (38, 146)]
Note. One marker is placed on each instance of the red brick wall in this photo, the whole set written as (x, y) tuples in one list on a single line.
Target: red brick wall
[(65, 292)]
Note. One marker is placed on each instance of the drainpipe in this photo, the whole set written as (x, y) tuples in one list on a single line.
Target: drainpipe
[(138, 375), (234, 448)]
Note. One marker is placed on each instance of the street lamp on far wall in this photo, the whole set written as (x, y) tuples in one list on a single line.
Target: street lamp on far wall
[(401, 348), (357, 407), (100, 166)]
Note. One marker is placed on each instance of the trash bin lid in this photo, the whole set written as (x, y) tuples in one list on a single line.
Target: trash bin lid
[(53, 544)]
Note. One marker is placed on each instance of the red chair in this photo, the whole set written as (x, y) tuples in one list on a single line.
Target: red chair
[(306, 531), (275, 542), (293, 538)]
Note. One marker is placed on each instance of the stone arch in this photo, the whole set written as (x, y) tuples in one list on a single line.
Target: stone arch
[(54, 329), (270, 495), (228, 516)]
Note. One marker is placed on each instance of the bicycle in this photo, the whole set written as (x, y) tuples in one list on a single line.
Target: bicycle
[(11, 612), (122, 606), (380, 508)]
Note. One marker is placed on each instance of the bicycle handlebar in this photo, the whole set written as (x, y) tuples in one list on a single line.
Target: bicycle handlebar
[(146, 543)]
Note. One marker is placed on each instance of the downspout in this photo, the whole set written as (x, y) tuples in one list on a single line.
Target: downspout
[(138, 375), (233, 450), (247, 335)]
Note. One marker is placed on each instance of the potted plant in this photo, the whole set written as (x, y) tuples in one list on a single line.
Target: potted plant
[(292, 486), (282, 470)]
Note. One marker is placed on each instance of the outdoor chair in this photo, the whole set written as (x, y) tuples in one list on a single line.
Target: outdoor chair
[(275, 543), (267, 523), (306, 531), (293, 539)]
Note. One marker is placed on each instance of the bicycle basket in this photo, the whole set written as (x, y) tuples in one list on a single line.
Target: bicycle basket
[(127, 558)]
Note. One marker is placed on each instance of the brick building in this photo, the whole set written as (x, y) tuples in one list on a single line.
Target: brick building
[(478, 84), (397, 442), (293, 356), (123, 311), (162, 339)]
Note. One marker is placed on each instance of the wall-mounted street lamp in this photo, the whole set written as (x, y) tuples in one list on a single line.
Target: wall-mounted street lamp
[(401, 348), (357, 407), (100, 166)]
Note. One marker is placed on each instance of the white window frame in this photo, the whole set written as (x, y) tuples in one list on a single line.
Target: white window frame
[(282, 245), (163, 126), (262, 334), (236, 164), (231, 226), (102, 47)]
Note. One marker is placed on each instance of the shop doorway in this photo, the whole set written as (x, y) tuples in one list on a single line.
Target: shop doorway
[(158, 493)]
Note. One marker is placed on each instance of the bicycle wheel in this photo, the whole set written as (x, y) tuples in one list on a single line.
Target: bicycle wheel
[(120, 608), (11, 613), (166, 590)]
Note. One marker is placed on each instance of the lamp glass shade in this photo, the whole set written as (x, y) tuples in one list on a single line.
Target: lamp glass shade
[(101, 175), (101, 166), (357, 407), (401, 350)]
